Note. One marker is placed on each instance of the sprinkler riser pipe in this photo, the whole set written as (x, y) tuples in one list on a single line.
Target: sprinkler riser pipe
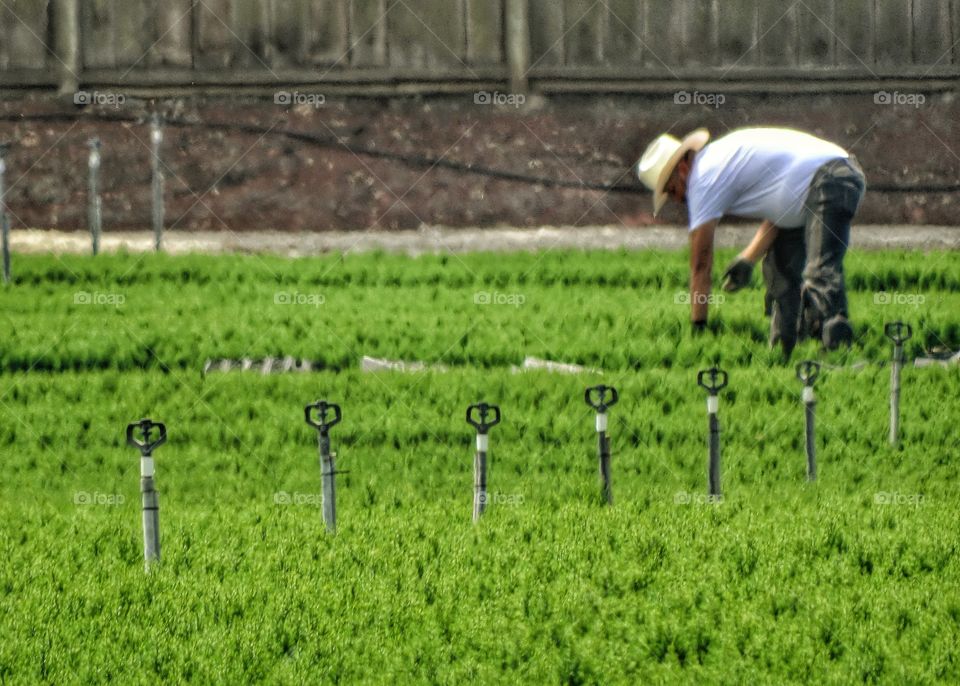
[(479, 480), (150, 500), (895, 394), (713, 468), (94, 211), (328, 483), (156, 138), (810, 409), (606, 480)]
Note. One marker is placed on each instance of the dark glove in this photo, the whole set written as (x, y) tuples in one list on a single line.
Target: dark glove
[(738, 275)]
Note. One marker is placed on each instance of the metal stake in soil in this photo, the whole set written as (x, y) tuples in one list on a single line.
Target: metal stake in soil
[(483, 446), (717, 381), (596, 397), (328, 471), (807, 372), (899, 333), (150, 498), (156, 138), (4, 219), (93, 195)]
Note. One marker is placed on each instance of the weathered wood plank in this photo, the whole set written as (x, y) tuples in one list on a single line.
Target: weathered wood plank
[(517, 44), (955, 32), (425, 33), (96, 22), (368, 33), (173, 19), (134, 33), (855, 25), (663, 29), (700, 32), (624, 43), (777, 37), (546, 33), (25, 34), (213, 41), (893, 38), (485, 37), (738, 33), (931, 31), (287, 36), (585, 30), (65, 18), (815, 22), (249, 22), (327, 32)]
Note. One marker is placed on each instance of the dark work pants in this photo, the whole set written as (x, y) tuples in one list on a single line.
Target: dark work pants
[(803, 271)]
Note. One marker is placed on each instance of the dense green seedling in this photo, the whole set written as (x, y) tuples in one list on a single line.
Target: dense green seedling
[(851, 579)]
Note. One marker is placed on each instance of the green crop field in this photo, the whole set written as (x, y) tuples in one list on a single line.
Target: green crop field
[(852, 579)]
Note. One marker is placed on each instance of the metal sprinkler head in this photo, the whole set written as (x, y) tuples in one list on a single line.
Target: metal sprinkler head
[(146, 426), (484, 409), (898, 332), (320, 410), (717, 380), (596, 397), (808, 371)]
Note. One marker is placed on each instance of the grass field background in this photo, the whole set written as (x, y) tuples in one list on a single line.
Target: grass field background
[(851, 579)]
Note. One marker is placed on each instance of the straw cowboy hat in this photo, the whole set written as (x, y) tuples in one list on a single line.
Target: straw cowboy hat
[(659, 159)]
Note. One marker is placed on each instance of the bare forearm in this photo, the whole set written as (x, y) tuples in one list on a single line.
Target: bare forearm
[(762, 240), (700, 289), (701, 266)]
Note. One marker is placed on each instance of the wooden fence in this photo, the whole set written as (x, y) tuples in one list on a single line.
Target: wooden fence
[(419, 45)]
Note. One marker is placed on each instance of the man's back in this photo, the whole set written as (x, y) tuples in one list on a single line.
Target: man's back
[(757, 173)]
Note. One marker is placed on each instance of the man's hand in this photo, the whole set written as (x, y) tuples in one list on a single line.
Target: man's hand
[(738, 275)]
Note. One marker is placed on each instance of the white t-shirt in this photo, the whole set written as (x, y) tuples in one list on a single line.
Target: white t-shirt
[(760, 173)]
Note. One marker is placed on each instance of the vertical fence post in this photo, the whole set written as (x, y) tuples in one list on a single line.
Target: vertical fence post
[(4, 220), (156, 138), (94, 207), (66, 26), (518, 44)]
